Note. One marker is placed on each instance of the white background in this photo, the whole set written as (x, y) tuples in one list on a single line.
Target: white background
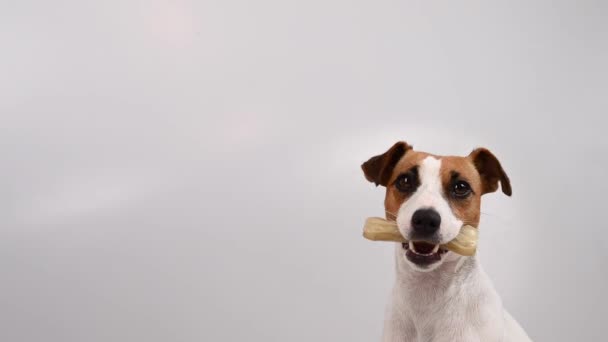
[(189, 171)]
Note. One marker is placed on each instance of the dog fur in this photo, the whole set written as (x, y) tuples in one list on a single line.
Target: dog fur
[(446, 297)]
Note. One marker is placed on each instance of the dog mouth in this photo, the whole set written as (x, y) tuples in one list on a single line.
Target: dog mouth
[(423, 253)]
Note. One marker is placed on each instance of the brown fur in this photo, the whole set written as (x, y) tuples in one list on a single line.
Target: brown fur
[(394, 198), (379, 169), (467, 209), (491, 171)]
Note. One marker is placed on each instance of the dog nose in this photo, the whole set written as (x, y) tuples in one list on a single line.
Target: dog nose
[(425, 222)]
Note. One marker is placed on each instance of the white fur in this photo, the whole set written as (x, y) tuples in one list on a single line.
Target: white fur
[(453, 301)]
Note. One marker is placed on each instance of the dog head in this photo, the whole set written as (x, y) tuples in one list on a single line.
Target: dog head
[(431, 197)]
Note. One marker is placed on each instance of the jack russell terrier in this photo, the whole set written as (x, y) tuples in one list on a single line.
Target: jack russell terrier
[(440, 296)]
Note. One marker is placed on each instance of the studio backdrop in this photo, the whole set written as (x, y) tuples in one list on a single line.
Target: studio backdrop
[(190, 170)]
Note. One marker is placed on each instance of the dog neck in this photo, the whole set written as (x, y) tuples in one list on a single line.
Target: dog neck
[(442, 302), (459, 281)]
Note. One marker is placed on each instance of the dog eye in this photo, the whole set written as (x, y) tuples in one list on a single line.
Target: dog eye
[(405, 183), (461, 189)]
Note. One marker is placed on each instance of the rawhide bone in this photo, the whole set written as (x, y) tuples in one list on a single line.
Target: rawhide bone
[(379, 229)]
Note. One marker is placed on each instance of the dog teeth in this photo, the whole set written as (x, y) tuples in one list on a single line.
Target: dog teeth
[(413, 249)]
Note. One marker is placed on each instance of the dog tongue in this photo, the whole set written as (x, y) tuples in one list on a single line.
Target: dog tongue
[(423, 247)]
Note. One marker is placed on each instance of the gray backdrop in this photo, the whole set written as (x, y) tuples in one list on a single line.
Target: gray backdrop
[(189, 170)]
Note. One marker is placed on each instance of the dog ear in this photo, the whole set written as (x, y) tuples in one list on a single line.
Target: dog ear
[(491, 171), (378, 169)]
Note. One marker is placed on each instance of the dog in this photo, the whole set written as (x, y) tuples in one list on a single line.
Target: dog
[(439, 296)]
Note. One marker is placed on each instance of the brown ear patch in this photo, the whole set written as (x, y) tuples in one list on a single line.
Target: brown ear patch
[(490, 171), (378, 169)]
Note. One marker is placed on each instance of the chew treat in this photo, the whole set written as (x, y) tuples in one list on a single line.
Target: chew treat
[(379, 229)]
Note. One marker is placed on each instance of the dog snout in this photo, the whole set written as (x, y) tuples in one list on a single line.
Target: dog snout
[(425, 222)]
